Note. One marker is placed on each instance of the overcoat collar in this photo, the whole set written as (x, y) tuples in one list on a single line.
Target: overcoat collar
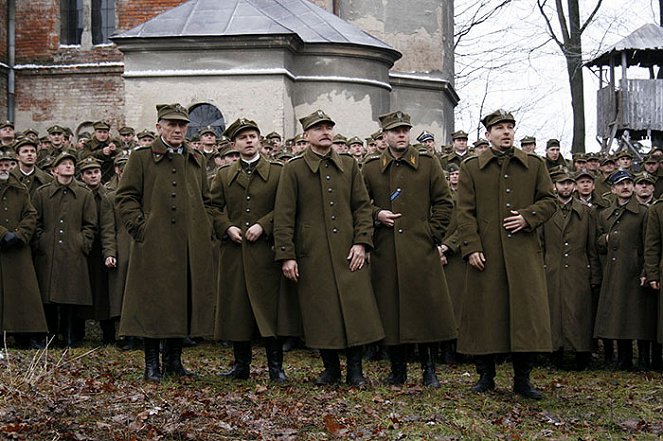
[(160, 151), (632, 205), (313, 160), (262, 170), (56, 187), (13, 181), (410, 157), (487, 156)]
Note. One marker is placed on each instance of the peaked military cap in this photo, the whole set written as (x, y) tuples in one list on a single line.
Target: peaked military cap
[(146, 134), (273, 135), (121, 159), (619, 176), (528, 140), (645, 177), (498, 116), (584, 173), (228, 150), (425, 136), (31, 133), (101, 125), (172, 112), (339, 139), (26, 140), (395, 119), (298, 138), (561, 174), (88, 163), (453, 167), (460, 134), (61, 157), (7, 155), (592, 156), (315, 118), (207, 129), (479, 142), (355, 140), (238, 125), (552, 143), (377, 135), (55, 129), (607, 159), (649, 160), (7, 124), (84, 135), (624, 154), (127, 131)]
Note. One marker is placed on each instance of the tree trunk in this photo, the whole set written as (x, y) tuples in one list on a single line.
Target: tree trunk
[(573, 55)]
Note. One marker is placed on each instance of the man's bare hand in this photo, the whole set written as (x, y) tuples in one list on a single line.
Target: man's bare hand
[(110, 262), (477, 260), (235, 234), (357, 257), (654, 284), (290, 269), (514, 223), (253, 233), (387, 218)]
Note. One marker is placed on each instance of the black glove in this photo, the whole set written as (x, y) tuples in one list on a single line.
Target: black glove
[(10, 240)]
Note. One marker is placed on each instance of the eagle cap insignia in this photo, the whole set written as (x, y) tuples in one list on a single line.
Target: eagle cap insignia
[(320, 114)]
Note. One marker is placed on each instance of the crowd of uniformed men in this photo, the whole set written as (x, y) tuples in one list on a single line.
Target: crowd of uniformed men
[(347, 243)]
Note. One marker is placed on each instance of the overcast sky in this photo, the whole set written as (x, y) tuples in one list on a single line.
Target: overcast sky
[(509, 63)]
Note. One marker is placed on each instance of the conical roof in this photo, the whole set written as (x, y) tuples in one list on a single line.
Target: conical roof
[(643, 47), (215, 18)]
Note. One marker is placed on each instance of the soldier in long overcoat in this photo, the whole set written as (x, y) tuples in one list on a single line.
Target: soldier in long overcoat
[(21, 309), (572, 270), (504, 195), (66, 225), (27, 171), (654, 268), (163, 200), (103, 148), (322, 230), (249, 279), (626, 310), (412, 208)]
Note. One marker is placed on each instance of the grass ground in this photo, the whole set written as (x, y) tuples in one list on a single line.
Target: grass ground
[(96, 393)]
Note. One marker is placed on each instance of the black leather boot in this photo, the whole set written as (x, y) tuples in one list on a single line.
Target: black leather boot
[(172, 359), (657, 356), (274, 350), (582, 360), (427, 359), (242, 365), (608, 351), (107, 331), (624, 355), (486, 369), (522, 366), (644, 355), (398, 362), (332, 372), (557, 359), (354, 374), (152, 369)]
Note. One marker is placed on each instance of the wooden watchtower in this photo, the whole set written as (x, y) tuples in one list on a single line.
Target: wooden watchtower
[(628, 108)]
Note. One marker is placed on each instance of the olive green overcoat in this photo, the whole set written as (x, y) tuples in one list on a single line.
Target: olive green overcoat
[(249, 277), (572, 268), (34, 180), (117, 276), (21, 309), (407, 275), (322, 209), (163, 200), (66, 225), (505, 306), (654, 256), (626, 310), (455, 269)]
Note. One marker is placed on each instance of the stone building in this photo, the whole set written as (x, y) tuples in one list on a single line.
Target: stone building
[(72, 62)]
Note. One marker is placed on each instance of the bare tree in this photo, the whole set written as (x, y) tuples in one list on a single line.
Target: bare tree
[(570, 43)]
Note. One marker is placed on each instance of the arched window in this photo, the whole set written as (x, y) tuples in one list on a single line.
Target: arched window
[(203, 115), (97, 25)]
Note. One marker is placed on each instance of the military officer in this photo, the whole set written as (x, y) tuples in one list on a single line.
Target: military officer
[(643, 189), (103, 148), (7, 135), (528, 144), (356, 148), (145, 137), (163, 201), (504, 195), (427, 139), (322, 231), (27, 171), (625, 160), (128, 138), (480, 146), (460, 152), (340, 143), (554, 156), (653, 269), (412, 210)]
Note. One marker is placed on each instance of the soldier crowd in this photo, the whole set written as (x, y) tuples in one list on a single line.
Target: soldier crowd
[(347, 243)]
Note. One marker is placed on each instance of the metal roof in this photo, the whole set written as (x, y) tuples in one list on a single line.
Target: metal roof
[(643, 47), (202, 18)]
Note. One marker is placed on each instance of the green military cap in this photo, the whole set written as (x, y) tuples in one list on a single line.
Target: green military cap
[(315, 118), (592, 156), (205, 130), (624, 154), (355, 140), (552, 143), (649, 160), (369, 140), (645, 177), (607, 159), (26, 140), (195, 137), (7, 155), (561, 174), (84, 135), (453, 167), (228, 150), (497, 116), (121, 159), (31, 132), (172, 112), (101, 125), (146, 134), (584, 173), (479, 142), (273, 135), (67, 131), (377, 135), (61, 157), (339, 139), (127, 131), (285, 155), (395, 119), (55, 129), (528, 140), (238, 125), (88, 163), (7, 123), (46, 162), (460, 134), (425, 136), (579, 157)]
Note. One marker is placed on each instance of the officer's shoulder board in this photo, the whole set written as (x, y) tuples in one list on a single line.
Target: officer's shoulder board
[(657, 201), (346, 154), (276, 162), (469, 158), (371, 158), (296, 157), (534, 155), (144, 147), (425, 153)]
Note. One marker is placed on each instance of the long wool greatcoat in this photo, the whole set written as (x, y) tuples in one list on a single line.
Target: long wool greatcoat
[(454, 270), (163, 201), (20, 303), (66, 225), (626, 310), (322, 209), (654, 255), (572, 267), (117, 276), (249, 278), (408, 279), (505, 306)]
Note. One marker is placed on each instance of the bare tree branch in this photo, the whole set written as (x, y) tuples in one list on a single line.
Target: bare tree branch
[(591, 16), (548, 24)]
